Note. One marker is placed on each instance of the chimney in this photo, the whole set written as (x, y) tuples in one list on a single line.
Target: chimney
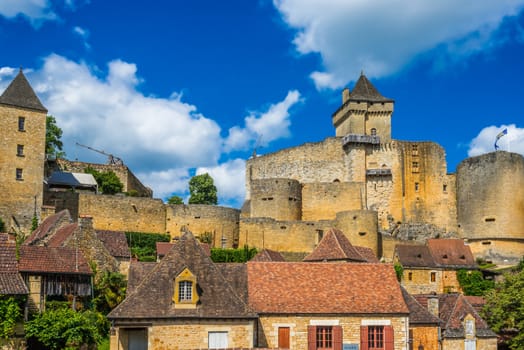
[(345, 95), (433, 305), (85, 222)]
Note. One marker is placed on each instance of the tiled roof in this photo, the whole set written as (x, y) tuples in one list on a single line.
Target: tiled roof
[(454, 307), (452, 310), (414, 255), (19, 93), (324, 288), (137, 271), (268, 255), (162, 248), (334, 246), (62, 235), (476, 301), (48, 226), (11, 281), (153, 297), (418, 314), (451, 252), (365, 91), (367, 253), (40, 259), (115, 242)]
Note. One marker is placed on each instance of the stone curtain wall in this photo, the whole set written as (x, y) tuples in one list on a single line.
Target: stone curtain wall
[(200, 219), (21, 199), (323, 200)]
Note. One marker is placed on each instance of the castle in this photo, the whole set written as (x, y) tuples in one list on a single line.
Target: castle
[(377, 190)]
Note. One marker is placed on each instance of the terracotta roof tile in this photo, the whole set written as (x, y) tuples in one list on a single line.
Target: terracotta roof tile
[(367, 253), (268, 255), (137, 271), (334, 246), (282, 287), (48, 227), (115, 242), (62, 235), (418, 314), (451, 252), (39, 259), (11, 281)]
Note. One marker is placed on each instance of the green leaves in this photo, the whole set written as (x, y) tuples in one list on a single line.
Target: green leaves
[(53, 135), (109, 291), (202, 190), (240, 255), (473, 282), (11, 314), (108, 182)]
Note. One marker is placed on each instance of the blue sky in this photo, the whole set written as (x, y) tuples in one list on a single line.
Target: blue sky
[(176, 88)]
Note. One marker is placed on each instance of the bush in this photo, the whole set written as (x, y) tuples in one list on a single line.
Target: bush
[(240, 255), (143, 245), (473, 282), (10, 309)]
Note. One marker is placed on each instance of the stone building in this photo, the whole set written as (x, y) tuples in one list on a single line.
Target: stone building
[(22, 154)]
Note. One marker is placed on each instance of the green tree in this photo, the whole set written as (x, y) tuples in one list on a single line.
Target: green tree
[(202, 190), (64, 328), (11, 314), (174, 199), (108, 182), (399, 270), (53, 135), (110, 290), (473, 282), (504, 309)]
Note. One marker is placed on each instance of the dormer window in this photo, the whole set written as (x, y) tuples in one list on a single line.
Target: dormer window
[(185, 295)]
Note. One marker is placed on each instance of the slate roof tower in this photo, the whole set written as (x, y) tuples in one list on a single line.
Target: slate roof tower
[(22, 154)]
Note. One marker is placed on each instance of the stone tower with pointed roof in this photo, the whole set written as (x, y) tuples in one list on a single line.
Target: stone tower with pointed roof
[(22, 153), (364, 113)]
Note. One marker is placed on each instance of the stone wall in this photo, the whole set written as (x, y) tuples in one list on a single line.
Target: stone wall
[(190, 334), (360, 226), (221, 222), (23, 152), (323, 200), (268, 329), (290, 236), (420, 282), (277, 198), (498, 251), (426, 336), (120, 213), (490, 196)]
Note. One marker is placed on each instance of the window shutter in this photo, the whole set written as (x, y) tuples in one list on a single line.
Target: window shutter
[(312, 337), (363, 338), (388, 335), (337, 337)]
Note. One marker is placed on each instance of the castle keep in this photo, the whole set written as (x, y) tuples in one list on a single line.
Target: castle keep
[(377, 190)]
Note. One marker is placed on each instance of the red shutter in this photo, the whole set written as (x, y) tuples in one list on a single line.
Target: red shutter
[(388, 335), (312, 337), (337, 337), (363, 338)]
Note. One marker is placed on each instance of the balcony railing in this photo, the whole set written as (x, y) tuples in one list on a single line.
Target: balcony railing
[(356, 138)]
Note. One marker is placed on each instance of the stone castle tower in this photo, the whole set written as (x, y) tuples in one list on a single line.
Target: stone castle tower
[(22, 154)]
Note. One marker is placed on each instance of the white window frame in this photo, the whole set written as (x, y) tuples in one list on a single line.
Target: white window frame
[(217, 340)]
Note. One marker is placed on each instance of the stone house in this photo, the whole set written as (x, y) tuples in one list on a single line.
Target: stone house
[(461, 325), (185, 301), (432, 268)]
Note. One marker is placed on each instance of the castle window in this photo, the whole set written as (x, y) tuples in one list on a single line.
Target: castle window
[(433, 276), (486, 242), (20, 150), (444, 188), (21, 123), (373, 132), (414, 167), (417, 186), (362, 233), (19, 174), (414, 150), (410, 276), (185, 294), (489, 219)]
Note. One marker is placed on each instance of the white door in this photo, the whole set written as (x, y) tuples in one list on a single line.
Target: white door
[(217, 340)]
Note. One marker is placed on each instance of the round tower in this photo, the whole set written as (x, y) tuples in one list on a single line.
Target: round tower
[(360, 227), (280, 199)]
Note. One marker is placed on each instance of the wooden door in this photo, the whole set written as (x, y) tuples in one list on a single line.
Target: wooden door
[(283, 337)]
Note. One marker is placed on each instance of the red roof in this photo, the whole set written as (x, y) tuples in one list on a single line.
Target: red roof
[(10, 280), (324, 288), (115, 242), (334, 246), (52, 260), (451, 252)]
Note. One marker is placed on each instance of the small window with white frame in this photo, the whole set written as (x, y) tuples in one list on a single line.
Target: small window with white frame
[(217, 340)]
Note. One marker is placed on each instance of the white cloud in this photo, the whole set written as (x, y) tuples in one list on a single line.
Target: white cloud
[(263, 127), (484, 142), (36, 11), (163, 140), (382, 38), (83, 34), (229, 179)]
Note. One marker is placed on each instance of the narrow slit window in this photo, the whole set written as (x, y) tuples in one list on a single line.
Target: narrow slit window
[(21, 123), (20, 150)]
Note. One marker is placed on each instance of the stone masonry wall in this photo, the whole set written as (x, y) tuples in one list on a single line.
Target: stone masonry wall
[(21, 198), (277, 198), (268, 329), (199, 219), (360, 226), (490, 196), (323, 200)]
